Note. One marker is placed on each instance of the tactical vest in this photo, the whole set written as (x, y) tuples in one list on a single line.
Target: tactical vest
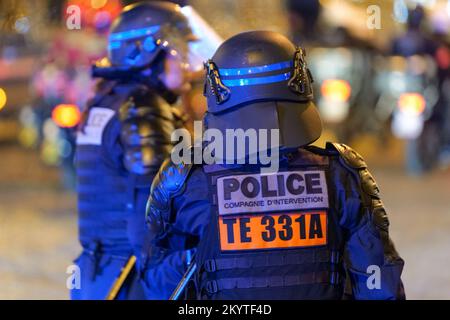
[(272, 236), (106, 191)]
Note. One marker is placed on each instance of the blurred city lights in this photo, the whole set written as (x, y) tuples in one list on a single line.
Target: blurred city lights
[(22, 25), (28, 135), (9, 54), (336, 90), (97, 13), (400, 11), (50, 154), (102, 19), (3, 98), (50, 131), (406, 126), (443, 57), (66, 115), (425, 3), (412, 103), (97, 4)]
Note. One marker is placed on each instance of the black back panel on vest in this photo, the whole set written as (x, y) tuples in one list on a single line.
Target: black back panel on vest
[(271, 235), (103, 186)]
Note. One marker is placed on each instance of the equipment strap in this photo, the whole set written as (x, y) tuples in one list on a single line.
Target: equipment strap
[(219, 264), (214, 286)]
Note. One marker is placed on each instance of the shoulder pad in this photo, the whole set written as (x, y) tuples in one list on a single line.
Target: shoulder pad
[(172, 176), (369, 184), (167, 184), (350, 156), (354, 160)]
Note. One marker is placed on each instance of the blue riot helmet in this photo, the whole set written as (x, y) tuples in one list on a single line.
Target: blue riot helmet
[(145, 29), (260, 80), (140, 40)]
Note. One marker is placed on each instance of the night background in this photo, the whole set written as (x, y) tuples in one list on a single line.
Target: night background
[(382, 86)]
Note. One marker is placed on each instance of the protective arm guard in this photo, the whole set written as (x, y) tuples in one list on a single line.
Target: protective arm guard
[(163, 265), (372, 262), (147, 123), (168, 183)]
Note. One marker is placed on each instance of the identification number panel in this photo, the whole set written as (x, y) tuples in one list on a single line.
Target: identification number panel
[(276, 211), (275, 231)]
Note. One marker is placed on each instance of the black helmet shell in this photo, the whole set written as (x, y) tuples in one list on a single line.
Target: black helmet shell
[(256, 65), (259, 80)]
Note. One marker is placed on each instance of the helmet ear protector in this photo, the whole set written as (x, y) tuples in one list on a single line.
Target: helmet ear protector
[(220, 83), (214, 83)]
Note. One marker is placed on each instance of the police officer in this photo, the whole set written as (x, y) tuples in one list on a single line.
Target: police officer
[(122, 141), (297, 233)]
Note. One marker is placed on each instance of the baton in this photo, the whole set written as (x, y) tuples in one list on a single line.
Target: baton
[(184, 281), (118, 283)]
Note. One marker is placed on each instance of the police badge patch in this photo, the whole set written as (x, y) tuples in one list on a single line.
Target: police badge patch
[(282, 210)]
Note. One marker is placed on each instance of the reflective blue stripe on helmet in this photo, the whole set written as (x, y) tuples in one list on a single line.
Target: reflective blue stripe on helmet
[(255, 81), (114, 45), (256, 69), (131, 34)]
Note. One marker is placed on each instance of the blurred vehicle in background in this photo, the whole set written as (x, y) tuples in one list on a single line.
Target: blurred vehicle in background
[(359, 91), (343, 78), (440, 23), (409, 92), (342, 69)]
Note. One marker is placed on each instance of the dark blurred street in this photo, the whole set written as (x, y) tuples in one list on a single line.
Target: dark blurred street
[(421, 232), (38, 236)]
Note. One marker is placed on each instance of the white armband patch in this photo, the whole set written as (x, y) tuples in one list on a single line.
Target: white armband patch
[(96, 123)]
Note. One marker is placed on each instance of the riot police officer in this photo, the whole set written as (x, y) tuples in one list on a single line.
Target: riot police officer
[(122, 141), (298, 233)]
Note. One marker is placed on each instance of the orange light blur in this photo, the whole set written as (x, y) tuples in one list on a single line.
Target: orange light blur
[(66, 115), (98, 4), (412, 103), (336, 90), (3, 98)]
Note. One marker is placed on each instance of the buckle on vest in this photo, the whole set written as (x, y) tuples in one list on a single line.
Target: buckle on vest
[(212, 287), (335, 278), (335, 258), (210, 265)]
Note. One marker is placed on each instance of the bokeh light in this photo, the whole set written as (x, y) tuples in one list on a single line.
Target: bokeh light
[(336, 90), (98, 4), (22, 25), (3, 98), (66, 115), (412, 103)]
